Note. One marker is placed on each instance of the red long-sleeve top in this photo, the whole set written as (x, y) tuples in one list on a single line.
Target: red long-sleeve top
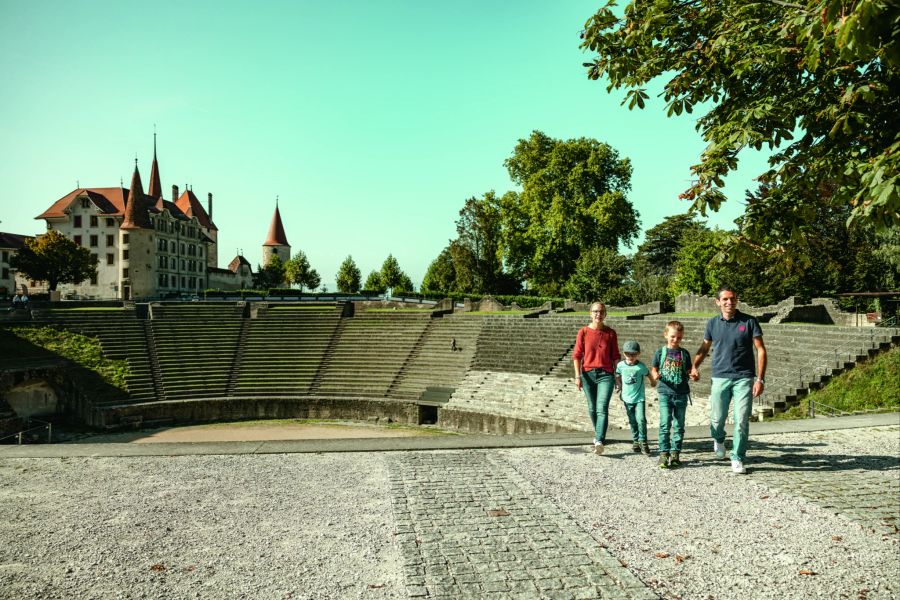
[(597, 349)]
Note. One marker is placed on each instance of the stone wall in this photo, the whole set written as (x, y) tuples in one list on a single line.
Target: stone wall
[(650, 308)]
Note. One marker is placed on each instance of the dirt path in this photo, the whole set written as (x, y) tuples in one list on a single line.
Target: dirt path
[(260, 431)]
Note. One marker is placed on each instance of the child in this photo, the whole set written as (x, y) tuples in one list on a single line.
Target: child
[(670, 369), (630, 375)]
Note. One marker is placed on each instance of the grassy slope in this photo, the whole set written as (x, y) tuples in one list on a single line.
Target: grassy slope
[(873, 385), (81, 349)]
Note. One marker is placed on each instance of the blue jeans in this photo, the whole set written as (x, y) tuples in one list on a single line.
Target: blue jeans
[(598, 386), (720, 396), (672, 407), (637, 419)]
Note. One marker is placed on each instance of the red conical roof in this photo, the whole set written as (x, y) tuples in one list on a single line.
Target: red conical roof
[(276, 231), (136, 215), (155, 189)]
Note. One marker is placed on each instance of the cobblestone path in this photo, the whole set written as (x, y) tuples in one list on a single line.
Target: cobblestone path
[(863, 488), (469, 527)]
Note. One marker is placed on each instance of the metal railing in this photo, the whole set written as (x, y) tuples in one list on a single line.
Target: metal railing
[(20, 436)]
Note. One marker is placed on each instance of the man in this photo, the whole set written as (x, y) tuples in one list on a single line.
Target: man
[(735, 374)]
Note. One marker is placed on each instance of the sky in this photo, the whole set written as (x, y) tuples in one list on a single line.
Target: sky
[(370, 122)]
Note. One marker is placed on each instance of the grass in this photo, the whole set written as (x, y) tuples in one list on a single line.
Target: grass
[(282, 308), (871, 386), (422, 310), (85, 351)]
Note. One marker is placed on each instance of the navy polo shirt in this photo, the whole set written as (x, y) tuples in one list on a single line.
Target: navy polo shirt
[(732, 339)]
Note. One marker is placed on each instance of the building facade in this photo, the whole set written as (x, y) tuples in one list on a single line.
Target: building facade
[(146, 247)]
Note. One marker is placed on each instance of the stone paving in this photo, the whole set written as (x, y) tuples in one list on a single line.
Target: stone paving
[(864, 488), (469, 527)]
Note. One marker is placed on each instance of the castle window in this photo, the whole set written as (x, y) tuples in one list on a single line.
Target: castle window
[(110, 240), (77, 221), (110, 222), (125, 238), (110, 258), (125, 273), (95, 241), (6, 256), (85, 203), (77, 239), (94, 221), (182, 248), (5, 273), (125, 254)]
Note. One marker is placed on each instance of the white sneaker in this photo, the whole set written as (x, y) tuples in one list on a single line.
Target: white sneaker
[(719, 449), (598, 447), (738, 467)]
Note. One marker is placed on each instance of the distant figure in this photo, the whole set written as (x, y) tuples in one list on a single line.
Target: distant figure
[(453, 345), (20, 302)]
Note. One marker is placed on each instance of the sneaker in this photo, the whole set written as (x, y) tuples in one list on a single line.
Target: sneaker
[(675, 460), (635, 446), (663, 460), (719, 449), (598, 447), (738, 467), (645, 448)]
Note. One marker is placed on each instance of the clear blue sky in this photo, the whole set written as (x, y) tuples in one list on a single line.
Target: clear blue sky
[(371, 121)]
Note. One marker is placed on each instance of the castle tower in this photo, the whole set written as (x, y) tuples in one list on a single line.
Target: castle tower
[(276, 243), (137, 273), (155, 189)]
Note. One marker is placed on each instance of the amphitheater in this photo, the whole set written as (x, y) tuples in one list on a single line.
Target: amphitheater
[(491, 373), (529, 514)]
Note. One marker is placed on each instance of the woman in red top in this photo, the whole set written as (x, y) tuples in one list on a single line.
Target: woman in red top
[(595, 356)]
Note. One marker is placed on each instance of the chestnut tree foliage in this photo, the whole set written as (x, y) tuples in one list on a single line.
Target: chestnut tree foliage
[(815, 82)]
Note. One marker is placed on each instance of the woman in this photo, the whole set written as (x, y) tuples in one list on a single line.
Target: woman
[(595, 356)]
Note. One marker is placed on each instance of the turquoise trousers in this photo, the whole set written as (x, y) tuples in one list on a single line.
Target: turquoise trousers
[(672, 411), (722, 393), (598, 388), (637, 419)]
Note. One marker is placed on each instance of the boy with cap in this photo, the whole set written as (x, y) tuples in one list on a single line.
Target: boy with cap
[(630, 374)]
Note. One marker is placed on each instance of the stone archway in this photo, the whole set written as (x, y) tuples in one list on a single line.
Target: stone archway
[(33, 398)]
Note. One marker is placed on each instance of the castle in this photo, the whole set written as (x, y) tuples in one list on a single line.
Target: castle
[(147, 246)]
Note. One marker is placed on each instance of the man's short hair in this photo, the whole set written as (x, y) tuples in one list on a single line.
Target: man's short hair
[(725, 288)]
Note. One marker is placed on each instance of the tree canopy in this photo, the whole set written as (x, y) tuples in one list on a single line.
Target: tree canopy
[(573, 198), (815, 81), (54, 258), (272, 275), (297, 271), (348, 276)]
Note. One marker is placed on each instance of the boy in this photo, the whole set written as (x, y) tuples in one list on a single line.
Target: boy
[(630, 375), (670, 369)]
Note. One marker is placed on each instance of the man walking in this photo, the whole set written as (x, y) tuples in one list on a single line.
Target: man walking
[(735, 374)]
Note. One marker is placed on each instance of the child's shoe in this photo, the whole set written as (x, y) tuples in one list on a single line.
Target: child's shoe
[(635, 447), (675, 460), (645, 448), (663, 460), (719, 449)]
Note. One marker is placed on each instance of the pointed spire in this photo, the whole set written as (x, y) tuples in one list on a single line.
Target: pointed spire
[(136, 216), (276, 235), (155, 189)]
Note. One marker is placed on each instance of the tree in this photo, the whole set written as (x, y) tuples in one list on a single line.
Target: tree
[(441, 274), (479, 231), (270, 276), (298, 271), (374, 283), (391, 274), (573, 199), (348, 276), (405, 284), (823, 70), (695, 270), (662, 242), (54, 258), (597, 272)]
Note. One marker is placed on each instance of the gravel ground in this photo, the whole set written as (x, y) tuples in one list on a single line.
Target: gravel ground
[(320, 526), (275, 526), (701, 532)]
